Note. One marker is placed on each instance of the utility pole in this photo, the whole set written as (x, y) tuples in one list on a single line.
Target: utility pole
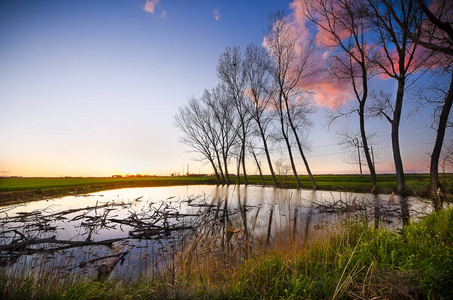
[(358, 152)]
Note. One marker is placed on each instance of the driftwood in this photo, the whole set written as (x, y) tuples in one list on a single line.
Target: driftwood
[(340, 206), (52, 240), (26, 243), (107, 267), (151, 232)]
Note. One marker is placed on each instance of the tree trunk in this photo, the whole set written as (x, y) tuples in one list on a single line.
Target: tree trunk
[(217, 176), (299, 145), (400, 181), (225, 166), (371, 166), (259, 168), (238, 169), (434, 167), (246, 182), (313, 183), (220, 167), (268, 157), (291, 159), (365, 145)]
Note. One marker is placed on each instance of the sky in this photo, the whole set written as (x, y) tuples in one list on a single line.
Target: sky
[(91, 88)]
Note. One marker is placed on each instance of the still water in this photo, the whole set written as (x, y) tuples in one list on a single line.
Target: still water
[(148, 227)]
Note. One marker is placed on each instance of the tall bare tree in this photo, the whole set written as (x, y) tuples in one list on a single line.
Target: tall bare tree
[(397, 58), (435, 32), (287, 69), (218, 101), (231, 72), (255, 66), (344, 24)]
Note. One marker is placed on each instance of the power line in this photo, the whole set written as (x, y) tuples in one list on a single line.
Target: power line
[(387, 134), (335, 153)]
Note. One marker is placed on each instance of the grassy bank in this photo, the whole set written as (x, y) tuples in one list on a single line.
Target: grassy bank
[(12, 189), (354, 262), (350, 183), (417, 184)]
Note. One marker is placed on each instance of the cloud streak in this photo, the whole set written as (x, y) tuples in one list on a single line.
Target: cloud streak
[(216, 14), (150, 5)]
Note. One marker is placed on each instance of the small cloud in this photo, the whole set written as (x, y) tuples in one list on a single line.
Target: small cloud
[(164, 14), (150, 5), (216, 15)]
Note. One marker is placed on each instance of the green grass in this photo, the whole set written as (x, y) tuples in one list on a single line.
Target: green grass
[(360, 262), (354, 262), (14, 184), (417, 184), (352, 183)]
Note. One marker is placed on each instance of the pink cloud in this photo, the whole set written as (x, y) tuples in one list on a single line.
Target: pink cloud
[(150, 5), (321, 37), (216, 15), (327, 91), (331, 94)]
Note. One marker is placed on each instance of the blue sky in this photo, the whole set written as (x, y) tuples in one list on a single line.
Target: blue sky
[(90, 88)]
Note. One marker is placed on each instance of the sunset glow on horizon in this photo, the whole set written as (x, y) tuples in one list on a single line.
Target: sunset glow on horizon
[(91, 88)]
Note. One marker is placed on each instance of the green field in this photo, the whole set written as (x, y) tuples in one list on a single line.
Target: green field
[(417, 183), (16, 184)]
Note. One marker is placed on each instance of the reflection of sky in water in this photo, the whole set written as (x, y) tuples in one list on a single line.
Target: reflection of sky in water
[(261, 213)]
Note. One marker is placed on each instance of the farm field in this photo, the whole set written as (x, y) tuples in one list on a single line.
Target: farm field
[(417, 183), (29, 183)]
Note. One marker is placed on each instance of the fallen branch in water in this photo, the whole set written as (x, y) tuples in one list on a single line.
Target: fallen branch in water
[(26, 243), (52, 240)]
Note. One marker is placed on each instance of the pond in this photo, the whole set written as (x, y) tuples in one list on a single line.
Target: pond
[(137, 232)]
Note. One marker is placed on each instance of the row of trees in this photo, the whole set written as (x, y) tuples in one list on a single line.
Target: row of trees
[(398, 39), (263, 98), (256, 105)]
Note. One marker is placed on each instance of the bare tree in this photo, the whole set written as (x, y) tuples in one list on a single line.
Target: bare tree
[(282, 169), (351, 143), (257, 93), (196, 123), (231, 72), (396, 58), (287, 69), (344, 24), (218, 101), (439, 96), (435, 32)]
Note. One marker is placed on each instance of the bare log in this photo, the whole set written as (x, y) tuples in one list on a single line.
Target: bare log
[(27, 243), (107, 267), (53, 240)]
